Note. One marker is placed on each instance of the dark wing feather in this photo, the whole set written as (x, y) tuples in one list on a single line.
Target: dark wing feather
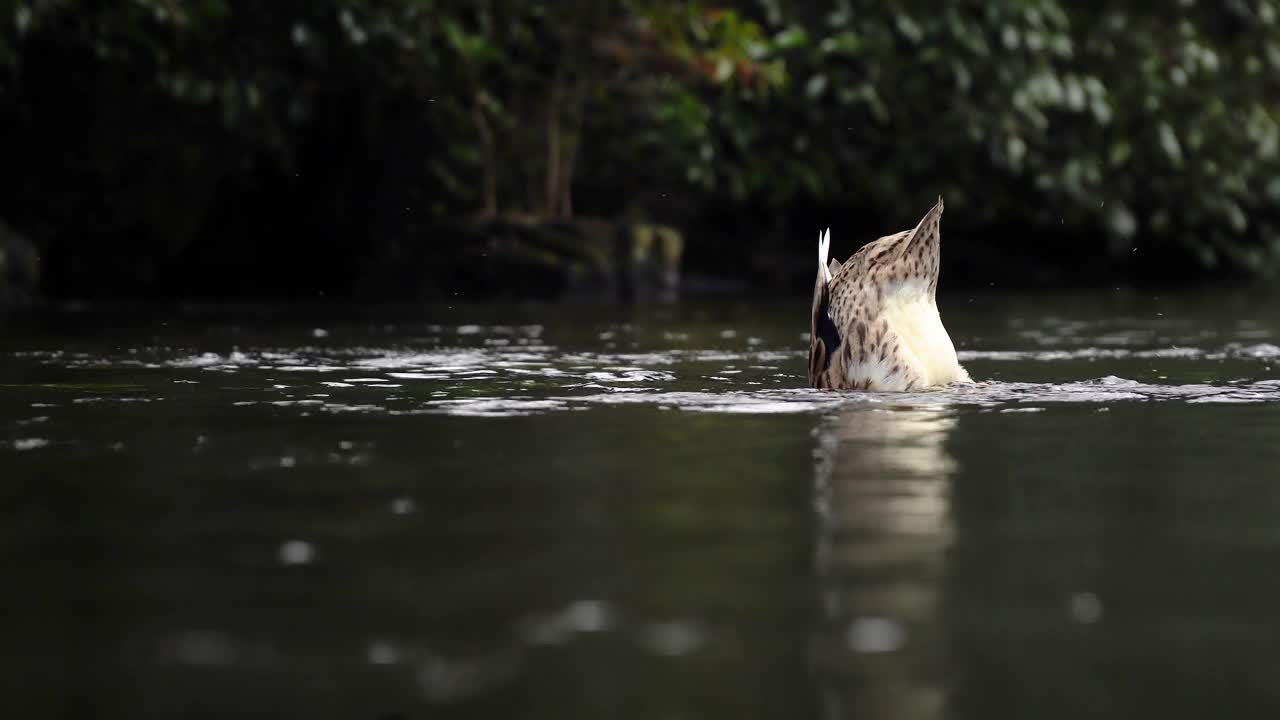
[(824, 337)]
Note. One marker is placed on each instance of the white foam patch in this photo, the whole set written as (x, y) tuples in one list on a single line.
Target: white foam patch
[(1261, 351), (496, 407), (417, 376)]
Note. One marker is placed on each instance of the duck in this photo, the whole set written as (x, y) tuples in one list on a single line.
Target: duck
[(875, 325)]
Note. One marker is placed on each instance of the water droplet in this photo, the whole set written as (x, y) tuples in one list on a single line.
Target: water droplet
[(675, 637), (588, 616), (875, 635), (382, 653), (1085, 608), (199, 647), (297, 552)]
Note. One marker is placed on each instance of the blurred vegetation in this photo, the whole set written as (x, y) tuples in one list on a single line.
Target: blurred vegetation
[(283, 147)]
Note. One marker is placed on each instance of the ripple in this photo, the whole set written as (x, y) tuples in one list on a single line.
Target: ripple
[(496, 407), (1010, 397), (505, 381), (1259, 351)]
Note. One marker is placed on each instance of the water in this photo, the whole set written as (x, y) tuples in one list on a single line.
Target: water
[(600, 512)]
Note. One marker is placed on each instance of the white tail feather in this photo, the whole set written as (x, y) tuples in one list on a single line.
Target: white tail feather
[(824, 248)]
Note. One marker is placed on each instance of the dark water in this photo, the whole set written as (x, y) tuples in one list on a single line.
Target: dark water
[(597, 513)]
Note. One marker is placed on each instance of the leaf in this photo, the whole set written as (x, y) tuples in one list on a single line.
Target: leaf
[(815, 86)]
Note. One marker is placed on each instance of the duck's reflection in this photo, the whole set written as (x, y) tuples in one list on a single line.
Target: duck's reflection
[(882, 481)]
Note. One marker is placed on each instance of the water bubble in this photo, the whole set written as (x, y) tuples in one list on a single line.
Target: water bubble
[(1085, 608), (29, 443), (875, 635), (450, 679), (588, 616), (675, 637), (297, 552), (403, 506), (383, 653), (319, 333), (545, 630), (198, 647)]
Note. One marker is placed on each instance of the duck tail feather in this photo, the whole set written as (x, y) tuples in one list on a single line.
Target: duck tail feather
[(824, 249)]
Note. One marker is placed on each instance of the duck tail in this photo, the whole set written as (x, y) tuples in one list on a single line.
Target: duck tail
[(824, 249)]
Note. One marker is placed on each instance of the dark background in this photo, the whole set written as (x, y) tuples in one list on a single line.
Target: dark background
[(405, 149)]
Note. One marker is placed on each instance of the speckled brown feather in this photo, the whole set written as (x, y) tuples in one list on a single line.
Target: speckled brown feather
[(846, 329)]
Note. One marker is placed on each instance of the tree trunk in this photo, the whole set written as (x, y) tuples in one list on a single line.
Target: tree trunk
[(554, 148), (577, 99), (489, 160)]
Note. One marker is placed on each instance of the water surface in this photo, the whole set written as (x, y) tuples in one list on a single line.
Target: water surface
[(571, 512)]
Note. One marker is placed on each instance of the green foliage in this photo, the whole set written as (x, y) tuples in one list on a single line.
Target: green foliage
[(166, 129), (1113, 120)]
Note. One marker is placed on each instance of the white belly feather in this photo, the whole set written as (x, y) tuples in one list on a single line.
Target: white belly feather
[(923, 342)]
